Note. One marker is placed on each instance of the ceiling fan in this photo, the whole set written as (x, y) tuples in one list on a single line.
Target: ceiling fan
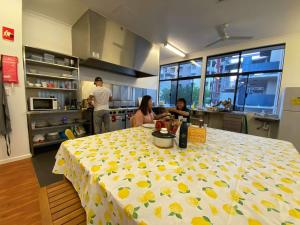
[(223, 35)]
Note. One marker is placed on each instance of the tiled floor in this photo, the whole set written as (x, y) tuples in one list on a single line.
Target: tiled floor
[(43, 164)]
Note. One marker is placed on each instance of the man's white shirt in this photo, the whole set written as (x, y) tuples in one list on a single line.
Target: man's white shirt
[(101, 98)]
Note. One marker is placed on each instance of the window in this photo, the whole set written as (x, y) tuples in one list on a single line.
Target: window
[(264, 59), (167, 92), (218, 89), (180, 80), (168, 72), (190, 68), (259, 93), (222, 64), (250, 78)]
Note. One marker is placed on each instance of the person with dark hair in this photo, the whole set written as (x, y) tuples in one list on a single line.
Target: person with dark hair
[(145, 114), (100, 98), (181, 109)]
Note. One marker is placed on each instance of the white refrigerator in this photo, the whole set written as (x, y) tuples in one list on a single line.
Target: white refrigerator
[(289, 127)]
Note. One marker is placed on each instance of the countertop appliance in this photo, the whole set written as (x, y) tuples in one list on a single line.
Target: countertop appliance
[(117, 120), (290, 116), (38, 103)]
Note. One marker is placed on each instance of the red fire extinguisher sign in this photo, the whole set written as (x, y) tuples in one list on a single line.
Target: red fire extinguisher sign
[(10, 69), (8, 34)]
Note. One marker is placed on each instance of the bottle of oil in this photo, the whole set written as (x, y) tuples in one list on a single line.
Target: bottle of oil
[(183, 134), (202, 131)]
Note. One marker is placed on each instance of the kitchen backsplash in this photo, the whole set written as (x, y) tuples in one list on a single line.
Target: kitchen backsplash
[(123, 95)]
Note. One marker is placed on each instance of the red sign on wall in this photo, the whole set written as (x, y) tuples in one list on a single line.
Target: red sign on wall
[(10, 69), (8, 34)]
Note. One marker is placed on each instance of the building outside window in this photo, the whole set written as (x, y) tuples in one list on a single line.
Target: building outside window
[(180, 80), (250, 78)]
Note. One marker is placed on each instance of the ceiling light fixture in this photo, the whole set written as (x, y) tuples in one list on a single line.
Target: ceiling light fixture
[(175, 50), (195, 63)]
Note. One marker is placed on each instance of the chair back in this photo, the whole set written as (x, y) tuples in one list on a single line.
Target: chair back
[(70, 135), (132, 121)]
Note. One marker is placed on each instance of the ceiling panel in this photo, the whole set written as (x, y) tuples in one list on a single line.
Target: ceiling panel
[(190, 25)]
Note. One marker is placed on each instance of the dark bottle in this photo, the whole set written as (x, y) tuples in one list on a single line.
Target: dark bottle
[(201, 123), (183, 133)]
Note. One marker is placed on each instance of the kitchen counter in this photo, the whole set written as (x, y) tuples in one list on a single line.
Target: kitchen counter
[(53, 111), (258, 116), (127, 108), (266, 118)]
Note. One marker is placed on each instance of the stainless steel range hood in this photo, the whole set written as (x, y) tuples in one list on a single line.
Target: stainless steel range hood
[(103, 44)]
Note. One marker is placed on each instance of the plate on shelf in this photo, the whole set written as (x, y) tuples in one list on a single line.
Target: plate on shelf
[(37, 85), (41, 124), (54, 123), (149, 125), (67, 75)]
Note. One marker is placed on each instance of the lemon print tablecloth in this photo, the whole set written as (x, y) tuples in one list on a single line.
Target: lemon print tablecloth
[(122, 178)]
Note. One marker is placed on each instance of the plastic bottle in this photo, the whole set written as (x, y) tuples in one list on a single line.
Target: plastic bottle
[(183, 134), (202, 131)]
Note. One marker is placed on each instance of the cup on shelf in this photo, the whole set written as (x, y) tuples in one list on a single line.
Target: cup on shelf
[(44, 84), (50, 85), (30, 84), (72, 62)]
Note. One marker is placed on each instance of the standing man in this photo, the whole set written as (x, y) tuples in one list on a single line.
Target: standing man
[(101, 97)]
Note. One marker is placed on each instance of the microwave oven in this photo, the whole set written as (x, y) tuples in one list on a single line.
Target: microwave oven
[(37, 103)]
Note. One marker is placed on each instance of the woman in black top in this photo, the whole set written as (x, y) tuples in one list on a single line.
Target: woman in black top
[(180, 110)]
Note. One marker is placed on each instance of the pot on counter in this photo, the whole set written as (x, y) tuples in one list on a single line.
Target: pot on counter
[(163, 139)]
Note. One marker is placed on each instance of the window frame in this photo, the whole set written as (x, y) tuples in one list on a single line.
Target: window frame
[(248, 73), (180, 78)]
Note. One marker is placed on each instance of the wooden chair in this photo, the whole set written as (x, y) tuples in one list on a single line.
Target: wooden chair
[(60, 204), (132, 121)]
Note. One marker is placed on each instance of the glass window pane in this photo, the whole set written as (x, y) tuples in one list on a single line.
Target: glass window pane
[(222, 64), (219, 89), (262, 59), (167, 92), (262, 92), (168, 72), (241, 93), (196, 91), (185, 89), (190, 68)]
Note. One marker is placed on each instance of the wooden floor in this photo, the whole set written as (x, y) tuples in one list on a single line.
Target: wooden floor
[(19, 194)]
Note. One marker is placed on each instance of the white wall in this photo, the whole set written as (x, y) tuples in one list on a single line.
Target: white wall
[(89, 74), (11, 16), (47, 33)]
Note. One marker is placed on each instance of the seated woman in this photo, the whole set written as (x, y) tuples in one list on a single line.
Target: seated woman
[(180, 110), (145, 113)]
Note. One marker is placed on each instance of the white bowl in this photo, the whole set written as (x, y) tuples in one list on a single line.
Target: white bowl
[(163, 139), (149, 125)]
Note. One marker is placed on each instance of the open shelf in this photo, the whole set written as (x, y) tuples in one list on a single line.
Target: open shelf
[(57, 127), (54, 89), (37, 62), (47, 143), (58, 141), (58, 71), (50, 76), (52, 111)]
